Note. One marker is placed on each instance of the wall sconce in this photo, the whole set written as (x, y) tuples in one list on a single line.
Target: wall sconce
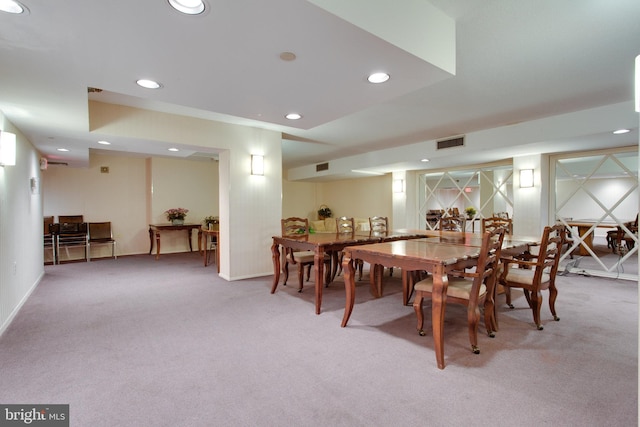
[(398, 186), (638, 84), (7, 148), (526, 178), (257, 165)]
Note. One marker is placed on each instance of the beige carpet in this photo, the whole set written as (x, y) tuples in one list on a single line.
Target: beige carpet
[(138, 342)]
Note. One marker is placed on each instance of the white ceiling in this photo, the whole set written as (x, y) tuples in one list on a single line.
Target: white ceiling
[(516, 61)]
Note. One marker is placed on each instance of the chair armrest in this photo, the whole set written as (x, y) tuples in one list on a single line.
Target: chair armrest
[(520, 262)]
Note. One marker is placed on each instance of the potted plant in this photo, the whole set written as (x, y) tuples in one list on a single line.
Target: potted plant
[(324, 212), (176, 215), (210, 221), (470, 211)]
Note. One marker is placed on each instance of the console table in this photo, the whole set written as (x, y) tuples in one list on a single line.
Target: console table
[(210, 235), (157, 228)]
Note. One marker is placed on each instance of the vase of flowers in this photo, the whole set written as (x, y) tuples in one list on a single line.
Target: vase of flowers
[(470, 211), (211, 221), (324, 212), (176, 215)]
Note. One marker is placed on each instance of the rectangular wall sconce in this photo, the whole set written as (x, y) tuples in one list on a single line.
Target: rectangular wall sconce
[(638, 84), (7, 148), (398, 186), (257, 165), (526, 178)]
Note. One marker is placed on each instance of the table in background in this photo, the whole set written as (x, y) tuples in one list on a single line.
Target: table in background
[(210, 234), (473, 221), (586, 228), (321, 243), (157, 228)]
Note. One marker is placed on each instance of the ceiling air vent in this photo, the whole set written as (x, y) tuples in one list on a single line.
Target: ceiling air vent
[(452, 142), (322, 167)]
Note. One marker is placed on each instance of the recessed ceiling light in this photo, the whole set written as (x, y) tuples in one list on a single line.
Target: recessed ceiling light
[(104, 142), (149, 84), (288, 56), (190, 7), (378, 78), (621, 131), (11, 6), (293, 116), (62, 149), (173, 149), (424, 160)]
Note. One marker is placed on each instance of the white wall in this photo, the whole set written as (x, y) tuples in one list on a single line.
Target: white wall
[(188, 184), (358, 198), (531, 205), (21, 252), (299, 199)]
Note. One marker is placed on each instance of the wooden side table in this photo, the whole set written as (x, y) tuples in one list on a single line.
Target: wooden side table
[(157, 228)]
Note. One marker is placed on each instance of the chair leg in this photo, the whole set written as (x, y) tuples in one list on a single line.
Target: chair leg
[(536, 304), (300, 276), (507, 294), (527, 296), (553, 294), (473, 317), (285, 272), (490, 321), (417, 307), (338, 267), (328, 274)]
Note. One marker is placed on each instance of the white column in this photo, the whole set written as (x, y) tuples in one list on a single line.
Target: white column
[(531, 205)]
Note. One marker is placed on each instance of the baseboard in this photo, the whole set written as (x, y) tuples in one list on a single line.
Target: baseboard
[(16, 310)]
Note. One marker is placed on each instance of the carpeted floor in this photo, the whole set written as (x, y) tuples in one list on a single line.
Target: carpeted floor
[(138, 342)]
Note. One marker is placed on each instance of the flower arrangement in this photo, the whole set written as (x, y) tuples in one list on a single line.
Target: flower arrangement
[(211, 220), (176, 213), (324, 212), (470, 211)]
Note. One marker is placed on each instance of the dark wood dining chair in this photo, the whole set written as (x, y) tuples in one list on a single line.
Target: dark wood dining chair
[(378, 226), (493, 222), (345, 226), (621, 240), (452, 223), (536, 273), (470, 288), (299, 227)]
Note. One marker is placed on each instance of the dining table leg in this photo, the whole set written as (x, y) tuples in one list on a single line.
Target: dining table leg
[(438, 304), (349, 287), (275, 255), (586, 234), (376, 273)]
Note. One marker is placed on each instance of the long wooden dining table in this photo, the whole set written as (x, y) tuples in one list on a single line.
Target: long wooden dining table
[(437, 255), (324, 243)]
